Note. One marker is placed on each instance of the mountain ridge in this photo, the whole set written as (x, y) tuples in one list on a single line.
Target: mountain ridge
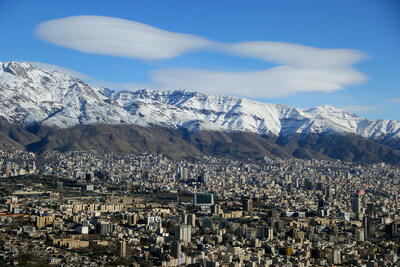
[(30, 95)]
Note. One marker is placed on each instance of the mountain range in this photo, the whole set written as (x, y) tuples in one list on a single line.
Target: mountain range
[(46, 110)]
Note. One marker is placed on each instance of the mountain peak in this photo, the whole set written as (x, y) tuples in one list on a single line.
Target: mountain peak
[(330, 110), (31, 95), (324, 107), (16, 68)]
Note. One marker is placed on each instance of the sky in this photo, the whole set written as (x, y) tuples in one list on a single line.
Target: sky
[(299, 53)]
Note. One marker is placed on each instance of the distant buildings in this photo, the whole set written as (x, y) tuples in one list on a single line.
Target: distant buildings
[(150, 210)]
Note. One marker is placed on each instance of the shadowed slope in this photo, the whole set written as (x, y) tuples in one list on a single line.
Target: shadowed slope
[(180, 143)]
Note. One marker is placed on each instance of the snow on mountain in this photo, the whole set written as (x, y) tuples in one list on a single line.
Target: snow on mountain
[(29, 94)]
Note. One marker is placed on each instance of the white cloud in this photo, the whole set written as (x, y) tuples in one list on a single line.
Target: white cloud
[(300, 68), (361, 108), (273, 82), (118, 37), (295, 54)]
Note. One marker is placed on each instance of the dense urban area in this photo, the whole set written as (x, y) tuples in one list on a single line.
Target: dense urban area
[(85, 209)]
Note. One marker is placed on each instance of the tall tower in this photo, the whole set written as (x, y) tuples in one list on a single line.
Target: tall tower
[(122, 248), (356, 206), (367, 222)]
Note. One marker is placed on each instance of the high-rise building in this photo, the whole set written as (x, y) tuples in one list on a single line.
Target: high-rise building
[(7, 170), (132, 219), (184, 218), (356, 206), (333, 255), (104, 228), (122, 248), (248, 204), (217, 209), (40, 222), (176, 249), (392, 230), (270, 233), (360, 235), (192, 220), (336, 256), (185, 174), (183, 233), (367, 223)]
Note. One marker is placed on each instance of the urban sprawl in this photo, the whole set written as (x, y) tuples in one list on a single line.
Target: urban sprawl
[(85, 209)]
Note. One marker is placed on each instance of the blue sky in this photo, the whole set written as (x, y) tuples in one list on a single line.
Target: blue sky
[(299, 53)]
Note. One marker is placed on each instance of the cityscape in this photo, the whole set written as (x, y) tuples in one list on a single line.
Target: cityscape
[(199, 133), (80, 208)]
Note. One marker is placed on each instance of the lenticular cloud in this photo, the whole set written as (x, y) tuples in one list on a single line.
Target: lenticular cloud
[(270, 83), (301, 68), (118, 37)]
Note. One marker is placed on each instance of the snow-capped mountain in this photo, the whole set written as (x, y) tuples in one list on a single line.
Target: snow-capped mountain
[(29, 94)]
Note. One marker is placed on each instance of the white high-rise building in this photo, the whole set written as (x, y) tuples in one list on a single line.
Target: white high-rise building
[(183, 233), (270, 233), (192, 220)]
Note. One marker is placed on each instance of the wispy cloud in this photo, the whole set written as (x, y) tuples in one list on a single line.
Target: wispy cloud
[(301, 68), (362, 108)]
